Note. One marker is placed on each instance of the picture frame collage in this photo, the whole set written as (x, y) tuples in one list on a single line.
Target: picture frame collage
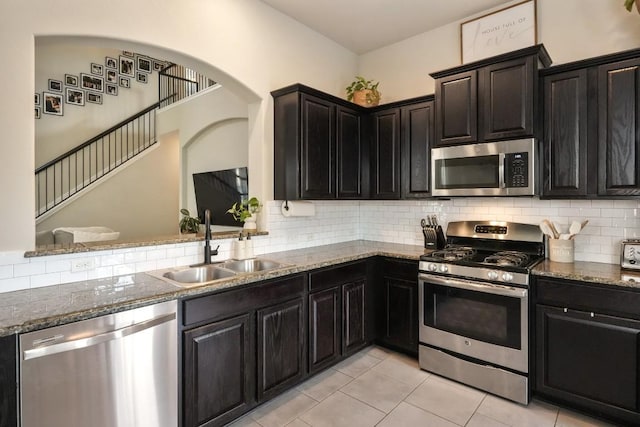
[(91, 87)]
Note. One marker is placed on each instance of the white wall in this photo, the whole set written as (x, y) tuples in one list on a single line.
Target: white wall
[(57, 56), (245, 45), (139, 199), (212, 128), (570, 30)]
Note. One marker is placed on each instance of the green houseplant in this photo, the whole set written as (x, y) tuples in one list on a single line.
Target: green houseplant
[(363, 92), (188, 224), (628, 4), (244, 212)]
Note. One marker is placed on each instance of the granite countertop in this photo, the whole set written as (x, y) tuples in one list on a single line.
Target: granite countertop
[(32, 309), (594, 272)]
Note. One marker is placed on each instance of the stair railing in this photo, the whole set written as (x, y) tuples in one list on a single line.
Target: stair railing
[(67, 174), (180, 81)]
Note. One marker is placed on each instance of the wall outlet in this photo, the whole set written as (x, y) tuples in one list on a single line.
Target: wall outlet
[(82, 264)]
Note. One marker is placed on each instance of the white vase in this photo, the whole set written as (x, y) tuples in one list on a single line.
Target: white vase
[(250, 223)]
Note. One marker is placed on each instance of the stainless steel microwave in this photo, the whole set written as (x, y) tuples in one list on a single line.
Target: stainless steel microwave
[(503, 168)]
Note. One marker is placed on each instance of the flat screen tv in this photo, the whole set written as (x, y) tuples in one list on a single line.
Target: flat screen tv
[(218, 190)]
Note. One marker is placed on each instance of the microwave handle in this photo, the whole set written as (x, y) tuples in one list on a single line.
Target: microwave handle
[(501, 170)]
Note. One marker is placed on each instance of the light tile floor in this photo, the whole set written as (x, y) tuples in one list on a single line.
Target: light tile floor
[(377, 387)]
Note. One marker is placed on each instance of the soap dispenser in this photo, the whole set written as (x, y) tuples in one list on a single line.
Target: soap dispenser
[(239, 252), (248, 247)]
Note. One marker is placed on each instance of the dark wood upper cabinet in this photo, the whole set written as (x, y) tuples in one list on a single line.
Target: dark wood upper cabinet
[(352, 154), (417, 138), (457, 109), (492, 99), (317, 148), (385, 151), (565, 134), (320, 146), (507, 92), (592, 127), (619, 128)]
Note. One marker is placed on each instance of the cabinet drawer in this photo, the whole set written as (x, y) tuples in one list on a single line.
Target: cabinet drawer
[(588, 297), (225, 304), (400, 269), (334, 276)]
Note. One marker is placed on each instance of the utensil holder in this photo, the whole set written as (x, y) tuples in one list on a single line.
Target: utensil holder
[(561, 250)]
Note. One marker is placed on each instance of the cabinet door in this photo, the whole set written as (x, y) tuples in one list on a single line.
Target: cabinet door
[(565, 130), (619, 128), (324, 328), (589, 359), (353, 301), (506, 94), (317, 164), (457, 109), (8, 381), (219, 371), (386, 154), (417, 139), (280, 347), (351, 155), (400, 317)]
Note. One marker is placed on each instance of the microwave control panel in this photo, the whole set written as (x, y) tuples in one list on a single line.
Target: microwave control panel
[(516, 170)]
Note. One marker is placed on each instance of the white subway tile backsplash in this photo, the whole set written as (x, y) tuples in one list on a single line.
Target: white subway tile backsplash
[(338, 221)]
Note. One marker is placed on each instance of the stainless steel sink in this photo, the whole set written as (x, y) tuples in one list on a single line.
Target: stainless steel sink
[(198, 275), (251, 265)]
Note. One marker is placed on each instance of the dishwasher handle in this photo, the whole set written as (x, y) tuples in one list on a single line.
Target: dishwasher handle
[(96, 339)]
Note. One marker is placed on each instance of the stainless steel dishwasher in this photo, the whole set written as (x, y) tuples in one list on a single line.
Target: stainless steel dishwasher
[(118, 370)]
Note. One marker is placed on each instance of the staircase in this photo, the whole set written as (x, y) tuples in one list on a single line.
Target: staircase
[(74, 171)]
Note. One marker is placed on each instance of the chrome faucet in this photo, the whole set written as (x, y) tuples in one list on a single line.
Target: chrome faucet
[(207, 238)]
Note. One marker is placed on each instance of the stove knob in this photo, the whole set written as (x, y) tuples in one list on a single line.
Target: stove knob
[(433, 267), (493, 275), (507, 277), (443, 268)]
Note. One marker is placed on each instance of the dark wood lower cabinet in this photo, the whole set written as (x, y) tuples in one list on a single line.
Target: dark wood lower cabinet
[(8, 381), (353, 334), (397, 306), (280, 347), (218, 375), (590, 361), (324, 328), (242, 347)]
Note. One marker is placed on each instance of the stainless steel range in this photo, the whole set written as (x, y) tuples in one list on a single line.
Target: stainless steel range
[(474, 306)]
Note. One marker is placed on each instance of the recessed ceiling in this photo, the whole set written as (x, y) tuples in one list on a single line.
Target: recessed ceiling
[(365, 25)]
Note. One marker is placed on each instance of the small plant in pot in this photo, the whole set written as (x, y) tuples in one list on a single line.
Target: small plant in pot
[(363, 92), (188, 224), (245, 212), (628, 4)]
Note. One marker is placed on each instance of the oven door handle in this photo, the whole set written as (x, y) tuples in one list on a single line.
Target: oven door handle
[(474, 286)]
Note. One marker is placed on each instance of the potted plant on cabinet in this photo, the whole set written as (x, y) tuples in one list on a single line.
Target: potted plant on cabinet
[(188, 224), (363, 92), (628, 4), (246, 212)]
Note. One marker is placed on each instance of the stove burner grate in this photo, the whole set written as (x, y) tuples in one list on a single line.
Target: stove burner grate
[(507, 258), (453, 253)]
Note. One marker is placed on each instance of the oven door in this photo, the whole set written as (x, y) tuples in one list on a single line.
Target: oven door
[(480, 320)]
